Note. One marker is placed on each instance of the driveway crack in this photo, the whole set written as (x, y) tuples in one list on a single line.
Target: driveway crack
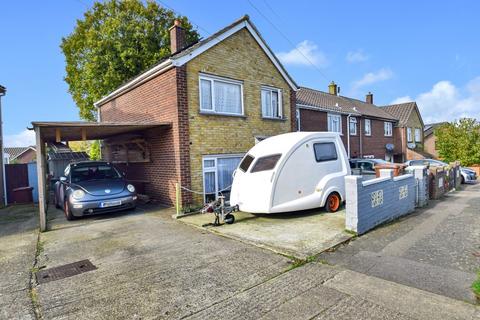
[(32, 284)]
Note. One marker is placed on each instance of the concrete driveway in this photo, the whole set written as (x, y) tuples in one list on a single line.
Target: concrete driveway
[(436, 249), (298, 234), (150, 266)]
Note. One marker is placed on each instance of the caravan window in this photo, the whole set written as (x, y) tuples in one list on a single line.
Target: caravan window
[(266, 163), (325, 151), (247, 161)]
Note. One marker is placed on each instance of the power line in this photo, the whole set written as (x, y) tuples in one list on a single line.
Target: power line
[(288, 40), (180, 14)]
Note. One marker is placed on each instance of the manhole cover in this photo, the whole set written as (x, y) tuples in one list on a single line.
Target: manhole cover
[(64, 271)]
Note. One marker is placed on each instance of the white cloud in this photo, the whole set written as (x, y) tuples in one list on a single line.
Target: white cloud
[(23, 139), (305, 53), (402, 100), (447, 102), (357, 56), (371, 78)]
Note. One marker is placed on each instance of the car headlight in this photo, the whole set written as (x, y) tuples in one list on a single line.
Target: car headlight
[(130, 188), (78, 194)]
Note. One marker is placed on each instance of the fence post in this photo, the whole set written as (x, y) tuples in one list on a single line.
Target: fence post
[(352, 185), (178, 198)]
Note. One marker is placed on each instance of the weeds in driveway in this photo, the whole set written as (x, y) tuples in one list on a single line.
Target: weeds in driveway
[(476, 286), (299, 262)]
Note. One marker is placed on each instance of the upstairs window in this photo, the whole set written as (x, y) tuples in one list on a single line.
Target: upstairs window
[(388, 129), (409, 135), (368, 127), (334, 123), (418, 137), (222, 96), (353, 126), (271, 103)]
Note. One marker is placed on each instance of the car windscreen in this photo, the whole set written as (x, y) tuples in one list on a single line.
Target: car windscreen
[(266, 163), (247, 161), (93, 172)]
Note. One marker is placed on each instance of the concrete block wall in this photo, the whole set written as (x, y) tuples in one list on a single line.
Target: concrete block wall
[(373, 202), (420, 174)]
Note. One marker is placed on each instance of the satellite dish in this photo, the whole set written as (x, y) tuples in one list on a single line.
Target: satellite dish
[(389, 146)]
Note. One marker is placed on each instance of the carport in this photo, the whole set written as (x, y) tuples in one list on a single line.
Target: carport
[(46, 132)]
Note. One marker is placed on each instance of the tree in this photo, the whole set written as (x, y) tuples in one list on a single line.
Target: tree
[(459, 140), (115, 41), (95, 153), (80, 146)]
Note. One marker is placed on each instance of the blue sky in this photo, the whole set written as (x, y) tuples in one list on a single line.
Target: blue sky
[(400, 50)]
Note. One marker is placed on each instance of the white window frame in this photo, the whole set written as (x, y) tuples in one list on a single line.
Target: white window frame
[(409, 134), (212, 80), (280, 101), (214, 169), (331, 115), (353, 120), (418, 135), (369, 131), (387, 129), (297, 116)]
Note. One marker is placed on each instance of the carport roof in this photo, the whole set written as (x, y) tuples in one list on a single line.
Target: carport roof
[(78, 130)]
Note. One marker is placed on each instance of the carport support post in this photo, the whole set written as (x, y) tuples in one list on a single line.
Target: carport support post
[(41, 179), (178, 198)]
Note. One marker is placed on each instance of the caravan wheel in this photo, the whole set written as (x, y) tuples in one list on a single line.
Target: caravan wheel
[(333, 202)]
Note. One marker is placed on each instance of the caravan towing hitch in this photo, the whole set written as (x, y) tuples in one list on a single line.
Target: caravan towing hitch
[(223, 213)]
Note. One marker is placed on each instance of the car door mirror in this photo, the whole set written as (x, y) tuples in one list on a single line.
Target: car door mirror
[(63, 179)]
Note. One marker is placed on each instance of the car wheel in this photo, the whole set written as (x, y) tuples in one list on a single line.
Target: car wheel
[(333, 202), (68, 213), (229, 219)]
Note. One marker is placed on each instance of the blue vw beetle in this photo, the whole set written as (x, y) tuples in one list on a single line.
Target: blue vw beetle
[(91, 187)]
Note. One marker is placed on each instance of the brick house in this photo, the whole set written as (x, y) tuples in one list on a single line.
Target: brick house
[(220, 95), (408, 132), (430, 140), (367, 130), (20, 154)]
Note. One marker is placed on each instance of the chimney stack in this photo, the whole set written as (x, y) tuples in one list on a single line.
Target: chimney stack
[(332, 88), (369, 98), (177, 37)]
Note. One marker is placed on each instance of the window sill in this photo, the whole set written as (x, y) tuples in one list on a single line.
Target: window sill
[(218, 114), (274, 119)]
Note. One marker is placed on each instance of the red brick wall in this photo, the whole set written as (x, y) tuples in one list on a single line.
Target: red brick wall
[(161, 99), (312, 120), (26, 157)]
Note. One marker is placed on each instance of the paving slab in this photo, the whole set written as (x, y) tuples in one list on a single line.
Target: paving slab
[(18, 243), (301, 234)]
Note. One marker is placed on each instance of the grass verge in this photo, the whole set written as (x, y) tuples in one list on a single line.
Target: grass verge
[(476, 286)]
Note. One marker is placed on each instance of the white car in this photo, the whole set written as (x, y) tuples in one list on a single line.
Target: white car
[(426, 162), (290, 172), (468, 175)]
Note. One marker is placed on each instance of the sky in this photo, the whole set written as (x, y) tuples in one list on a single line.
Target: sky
[(427, 51)]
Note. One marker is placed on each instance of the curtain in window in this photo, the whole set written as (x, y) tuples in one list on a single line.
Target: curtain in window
[(206, 92), (209, 178), (227, 98), (266, 100), (275, 104), (225, 168)]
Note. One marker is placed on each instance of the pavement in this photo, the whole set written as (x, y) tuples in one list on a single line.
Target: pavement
[(436, 249), (298, 234), (150, 266)]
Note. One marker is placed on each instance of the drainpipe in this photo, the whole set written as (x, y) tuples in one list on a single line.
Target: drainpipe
[(348, 134), (360, 134), (2, 93)]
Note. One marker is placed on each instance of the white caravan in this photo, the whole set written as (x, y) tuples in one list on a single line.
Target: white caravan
[(290, 172)]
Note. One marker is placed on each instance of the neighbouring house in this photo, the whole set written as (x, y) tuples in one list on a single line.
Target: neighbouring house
[(59, 156), (430, 140), (367, 130), (20, 154), (408, 131), (221, 95)]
